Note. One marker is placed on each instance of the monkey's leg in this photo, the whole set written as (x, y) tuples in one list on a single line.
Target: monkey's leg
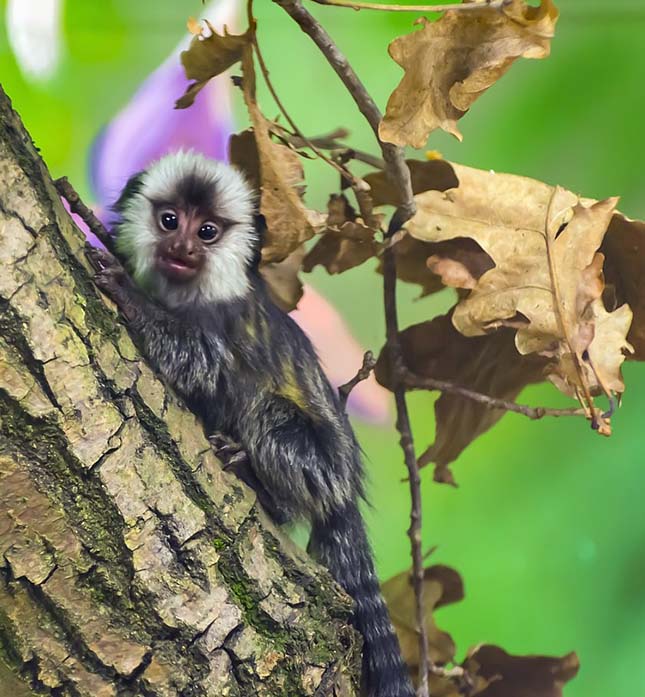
[(235, 459)]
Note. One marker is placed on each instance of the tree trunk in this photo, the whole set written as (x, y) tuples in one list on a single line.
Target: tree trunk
[(130, 563)]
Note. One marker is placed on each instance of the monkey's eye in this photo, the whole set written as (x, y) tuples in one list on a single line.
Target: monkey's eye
[(168, 220), (209, 232)]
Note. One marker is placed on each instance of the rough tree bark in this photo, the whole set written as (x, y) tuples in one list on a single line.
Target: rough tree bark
[(130, 564)]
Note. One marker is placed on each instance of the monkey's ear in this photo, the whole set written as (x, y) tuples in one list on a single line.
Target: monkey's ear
[(260, 233), (132, 187)]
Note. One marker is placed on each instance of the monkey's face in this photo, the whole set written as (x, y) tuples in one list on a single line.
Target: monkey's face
[(187, 230), (185, 236)]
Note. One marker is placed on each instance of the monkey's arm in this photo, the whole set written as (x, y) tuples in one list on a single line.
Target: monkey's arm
[(186, 357)]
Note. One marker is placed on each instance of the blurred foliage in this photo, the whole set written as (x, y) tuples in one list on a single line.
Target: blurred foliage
[(547, 527)]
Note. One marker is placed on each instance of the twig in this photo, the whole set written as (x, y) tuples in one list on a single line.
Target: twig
[(265, 73), (331, 141), (69, 193), (399, 174), (351, 4), (407, 444), (363, 373), (396, 167), (418, 382)]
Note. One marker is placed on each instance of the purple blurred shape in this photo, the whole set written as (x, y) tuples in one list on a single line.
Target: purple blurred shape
[(149, 126)]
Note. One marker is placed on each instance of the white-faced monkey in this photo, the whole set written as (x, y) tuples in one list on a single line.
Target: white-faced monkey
[(197, 303)]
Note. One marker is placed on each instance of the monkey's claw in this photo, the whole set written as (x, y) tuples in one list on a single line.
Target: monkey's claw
[(231, 454), (100, 259)]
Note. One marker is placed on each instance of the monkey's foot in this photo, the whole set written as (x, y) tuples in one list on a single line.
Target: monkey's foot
[(232, 454), (235, 459)]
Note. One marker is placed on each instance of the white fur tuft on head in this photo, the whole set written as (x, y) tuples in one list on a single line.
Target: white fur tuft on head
[(226, 272)]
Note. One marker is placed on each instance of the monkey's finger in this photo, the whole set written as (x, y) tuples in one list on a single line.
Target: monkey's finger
[(100, 258), (95, 262)]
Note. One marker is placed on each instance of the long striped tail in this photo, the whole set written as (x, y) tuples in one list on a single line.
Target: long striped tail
[(340, 543)]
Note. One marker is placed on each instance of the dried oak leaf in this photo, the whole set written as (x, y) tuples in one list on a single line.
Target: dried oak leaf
[(547, 280), (208, 56), (441, 586), (624, 249), (450, 62), (289, 223), (520, 676), (346, 242), (487, 364), (438, 175)]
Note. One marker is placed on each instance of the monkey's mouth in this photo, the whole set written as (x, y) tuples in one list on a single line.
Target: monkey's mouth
[(177, 269)]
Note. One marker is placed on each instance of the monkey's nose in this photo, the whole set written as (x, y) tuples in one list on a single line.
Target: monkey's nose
[(182, 248)]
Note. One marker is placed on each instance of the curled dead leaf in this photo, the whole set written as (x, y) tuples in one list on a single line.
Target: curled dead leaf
[(283, 282), (624, 249), (520, 676), (543, 242), (413, 263), (289, 223), (346, 242), (208, 56), (441, 586), (437, 175), (488, 364), (452, 61)]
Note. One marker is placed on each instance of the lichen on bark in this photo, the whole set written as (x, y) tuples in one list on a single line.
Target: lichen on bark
[(130, 563)]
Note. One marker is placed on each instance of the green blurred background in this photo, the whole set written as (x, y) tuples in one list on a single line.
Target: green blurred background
[(547, 526)]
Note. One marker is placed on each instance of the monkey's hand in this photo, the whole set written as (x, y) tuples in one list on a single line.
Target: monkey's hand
[(115, 281)]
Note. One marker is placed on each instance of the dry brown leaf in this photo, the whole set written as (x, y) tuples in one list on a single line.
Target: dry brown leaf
[(413, 263), (425, 174), (281, 277), (289, 223), (541, 281), (489, 364), (624, 249), (208, 56), (520, 676), (451, 62), (442, 586), (243, 153), (452, 272), (346, 242)]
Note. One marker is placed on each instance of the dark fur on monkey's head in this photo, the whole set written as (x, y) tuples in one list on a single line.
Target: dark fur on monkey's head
[(187, 230)]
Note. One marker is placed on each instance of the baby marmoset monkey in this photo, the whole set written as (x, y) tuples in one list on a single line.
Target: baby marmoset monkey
[(207, 324)]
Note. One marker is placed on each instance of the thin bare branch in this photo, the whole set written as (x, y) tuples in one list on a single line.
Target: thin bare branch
[(396, 167), (385, 7), (363, 373), (356, 181), (417, 382), (69, 193), (331, 141), (407, 444)]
